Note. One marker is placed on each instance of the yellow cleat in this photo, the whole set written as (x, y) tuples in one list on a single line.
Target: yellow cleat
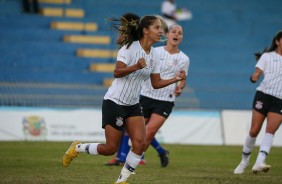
[(121, 182), (70, 154)]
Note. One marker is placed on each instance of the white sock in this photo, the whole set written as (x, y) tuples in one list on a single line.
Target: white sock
[(265, 147), (89, 148), (132, 161), (248, 147)]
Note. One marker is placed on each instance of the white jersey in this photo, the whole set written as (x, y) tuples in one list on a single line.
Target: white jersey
[(271, 65), (170, 65), (126, 90)]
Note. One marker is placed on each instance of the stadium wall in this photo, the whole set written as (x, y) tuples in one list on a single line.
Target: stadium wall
[(227, 127)]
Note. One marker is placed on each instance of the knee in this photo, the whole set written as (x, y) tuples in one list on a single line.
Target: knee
[(139, 144), (253, 133)]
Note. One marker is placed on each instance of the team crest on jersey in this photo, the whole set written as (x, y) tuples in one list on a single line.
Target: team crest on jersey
[(119, 121), (259, 105), (175, 62)]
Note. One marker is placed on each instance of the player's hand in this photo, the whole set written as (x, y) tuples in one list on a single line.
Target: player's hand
[(252, 80), (178, 91), (181, 75), (141, 63)]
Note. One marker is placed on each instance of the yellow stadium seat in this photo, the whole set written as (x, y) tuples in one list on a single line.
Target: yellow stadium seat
[(78, 26), (87, 39), (60, 12), (107, 82), (102, 67), (55, 1), (96, 53)]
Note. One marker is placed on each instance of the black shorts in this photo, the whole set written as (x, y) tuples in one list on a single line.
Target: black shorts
[(265, 103), (160, 107), (115, 115)]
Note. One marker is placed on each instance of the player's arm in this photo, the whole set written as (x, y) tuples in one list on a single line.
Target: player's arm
[(157, 82), (122, 69), (256, 75)]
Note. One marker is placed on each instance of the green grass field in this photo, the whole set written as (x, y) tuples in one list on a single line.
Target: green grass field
[(40, 162)]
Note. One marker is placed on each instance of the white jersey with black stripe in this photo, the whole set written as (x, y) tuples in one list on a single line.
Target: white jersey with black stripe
[(271, 65), (170, 65), (126, 90)]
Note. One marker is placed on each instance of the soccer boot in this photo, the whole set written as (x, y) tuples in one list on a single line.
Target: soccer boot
[(114, 162), (241, 167), (121, 182), (142, 162), (260, 167), (164, 158), (70, 154)]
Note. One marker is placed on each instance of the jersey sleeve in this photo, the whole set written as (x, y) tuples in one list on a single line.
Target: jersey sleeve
[(123, 55), (262, 61)]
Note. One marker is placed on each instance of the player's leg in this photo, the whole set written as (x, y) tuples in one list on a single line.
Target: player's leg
[(113, 137), (135, 127), (113, 133), (122, 152), (273, 123), (157, 146), (257, 121), (155, 123)]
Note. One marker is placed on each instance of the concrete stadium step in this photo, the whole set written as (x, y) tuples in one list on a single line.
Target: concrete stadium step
[(62, 12), (96, 53), (50, 94), (77, 26), (87, 39), (52, 76)]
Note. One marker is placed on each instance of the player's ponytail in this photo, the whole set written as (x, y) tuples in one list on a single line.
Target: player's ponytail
[(127, 27), (273, 46)]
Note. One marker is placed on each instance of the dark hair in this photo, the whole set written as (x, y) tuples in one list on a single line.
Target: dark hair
[(131, 29), (273, 46), (126, 25)]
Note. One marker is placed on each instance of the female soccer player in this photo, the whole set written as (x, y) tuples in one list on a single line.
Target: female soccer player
[(267, 105), (157, 104), (136, 62)]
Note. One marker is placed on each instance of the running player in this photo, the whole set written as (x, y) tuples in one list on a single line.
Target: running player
[(157, 104), (267, 105), (136, 62)]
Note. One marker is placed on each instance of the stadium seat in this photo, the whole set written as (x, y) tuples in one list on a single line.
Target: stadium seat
[(102, 67), (55, 1), (96, 53), (87, 39), (74, 26), (61, 12)]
